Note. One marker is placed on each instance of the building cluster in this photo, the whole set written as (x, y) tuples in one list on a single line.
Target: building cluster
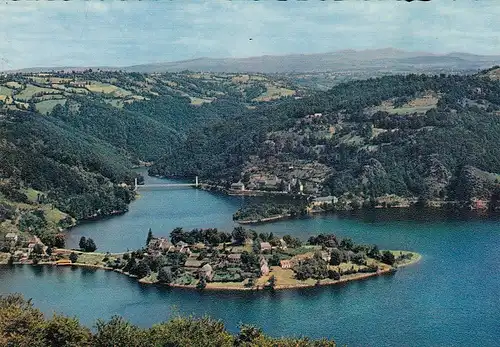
[(162, 245), (270, 184), (23, 248), (213, 259)]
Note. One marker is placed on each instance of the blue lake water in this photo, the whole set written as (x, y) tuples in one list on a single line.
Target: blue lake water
[(450, 298)]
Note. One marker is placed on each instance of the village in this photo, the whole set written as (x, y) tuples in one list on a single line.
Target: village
[(240, 260)]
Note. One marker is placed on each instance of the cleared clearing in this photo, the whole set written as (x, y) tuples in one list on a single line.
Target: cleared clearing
[(30, 90), (47, 106), (118, 103), (240, 79), (417, 105), (106, 88), (199, 101), (5, 91), (274, 92), (13, 84)]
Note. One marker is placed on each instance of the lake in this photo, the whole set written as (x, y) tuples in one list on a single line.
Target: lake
[(450, 298)]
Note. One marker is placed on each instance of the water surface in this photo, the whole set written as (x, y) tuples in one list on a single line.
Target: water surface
[(450, 298)]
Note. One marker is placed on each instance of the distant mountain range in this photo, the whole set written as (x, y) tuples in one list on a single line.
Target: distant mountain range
[(387, 60)]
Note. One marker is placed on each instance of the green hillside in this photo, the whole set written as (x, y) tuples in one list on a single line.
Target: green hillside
[(410, 136), (74, 136)]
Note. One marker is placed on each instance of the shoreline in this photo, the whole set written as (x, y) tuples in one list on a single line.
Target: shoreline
[(264, 220), (237, 286)]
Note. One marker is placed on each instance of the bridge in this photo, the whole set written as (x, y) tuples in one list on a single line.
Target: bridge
[(167, 185)]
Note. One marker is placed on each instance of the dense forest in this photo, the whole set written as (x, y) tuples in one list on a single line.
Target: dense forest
[(70, 139), (23, 325), (416, 136), (73, 137)]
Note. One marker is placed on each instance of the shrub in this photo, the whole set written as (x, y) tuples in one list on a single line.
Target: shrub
[(388, 258)]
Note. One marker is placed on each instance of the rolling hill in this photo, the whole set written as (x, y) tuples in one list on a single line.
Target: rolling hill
[(416, 137), (363, 61)]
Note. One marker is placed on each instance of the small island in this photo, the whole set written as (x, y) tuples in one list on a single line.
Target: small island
[(240, 260), (270, 212)]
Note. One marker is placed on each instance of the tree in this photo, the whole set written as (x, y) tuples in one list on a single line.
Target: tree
[(346, 244), (256, 246), (358, 258), (37, 249), (292, 242), (117, 332), (251, 282), (150, 237), (202, 283), (83, 243), (141, 270), (165, 275), (247, 335), (131, 264), (275, 260), (90, 246), (282, 186), (73, 257), (336, 257), (272, 282), (239, 235), (388, 258), (65, 332), (59, 241), (333, 275), (374, 252), (177, 235)]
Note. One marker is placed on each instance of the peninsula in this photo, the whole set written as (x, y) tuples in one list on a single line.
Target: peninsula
[(240, 260)]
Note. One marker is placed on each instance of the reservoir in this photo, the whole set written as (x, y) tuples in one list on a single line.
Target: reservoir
[(450, 298)]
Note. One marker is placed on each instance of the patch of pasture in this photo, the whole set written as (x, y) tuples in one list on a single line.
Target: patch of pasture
[(47, 106), (30, 90), (274, 92)]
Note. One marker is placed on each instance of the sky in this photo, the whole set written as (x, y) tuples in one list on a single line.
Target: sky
[(97, 33)]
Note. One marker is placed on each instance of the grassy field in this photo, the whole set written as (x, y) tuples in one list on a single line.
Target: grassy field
[(28, 92), (115, 102), (98, 87), (274, 92), (72, 90), (199, 101), (53, 214), (235, 285), (5, 91), (95, 258), (416, 257), (284, 277), (47, 106), (14, 84), (417, 105)]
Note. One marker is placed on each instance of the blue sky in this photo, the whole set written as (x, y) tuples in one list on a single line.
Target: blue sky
[(95, 33)]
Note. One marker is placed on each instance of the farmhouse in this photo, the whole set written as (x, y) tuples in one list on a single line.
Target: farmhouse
[(234, 257), (193, 263), (207, 271), (159, 244), (11, 237), (324, 200), (286, 264), (237, 186), (265, 246)]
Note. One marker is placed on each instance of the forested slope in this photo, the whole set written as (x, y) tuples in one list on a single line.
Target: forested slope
[(412, 136), (70, 139)]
